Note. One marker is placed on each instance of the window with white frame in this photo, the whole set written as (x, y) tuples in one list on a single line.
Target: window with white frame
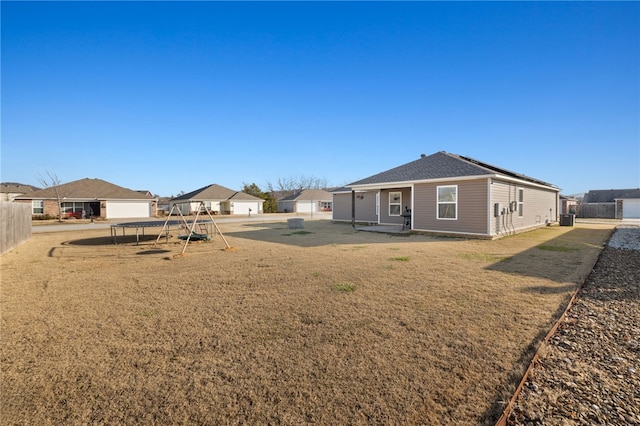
[(520, 202), (395, 203), (448, 202), (37, 206)]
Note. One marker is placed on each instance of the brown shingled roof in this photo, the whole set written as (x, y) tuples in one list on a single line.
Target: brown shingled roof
[(214, 192), (87, 188), (309, 195)]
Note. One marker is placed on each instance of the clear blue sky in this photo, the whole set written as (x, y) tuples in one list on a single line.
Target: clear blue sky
[(171, 96)]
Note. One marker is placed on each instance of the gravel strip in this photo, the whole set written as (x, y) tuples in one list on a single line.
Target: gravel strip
[(588, 373)]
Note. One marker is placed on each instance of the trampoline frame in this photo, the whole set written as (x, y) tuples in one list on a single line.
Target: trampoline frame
[(166, 225), (189, 225)]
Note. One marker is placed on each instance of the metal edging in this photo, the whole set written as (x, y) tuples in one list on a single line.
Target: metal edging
[(502, 421)]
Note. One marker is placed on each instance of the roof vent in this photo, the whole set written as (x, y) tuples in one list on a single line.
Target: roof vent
[(422, 155)]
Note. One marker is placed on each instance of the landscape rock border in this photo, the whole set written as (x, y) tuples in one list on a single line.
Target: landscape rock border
[(588, 371)]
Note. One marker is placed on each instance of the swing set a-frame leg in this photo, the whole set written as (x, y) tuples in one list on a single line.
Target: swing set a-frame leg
[(215, 225), (191, 227), (165, 227)]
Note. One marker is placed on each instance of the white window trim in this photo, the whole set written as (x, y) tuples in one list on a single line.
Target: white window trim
[(520, 203), (398, 203), (455, 203), (40, 206)]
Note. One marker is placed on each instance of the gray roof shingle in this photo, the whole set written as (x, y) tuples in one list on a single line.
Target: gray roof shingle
[(437, 166), (610, 195)]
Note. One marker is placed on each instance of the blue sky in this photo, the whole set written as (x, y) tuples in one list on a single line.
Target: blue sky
[(171, 96)]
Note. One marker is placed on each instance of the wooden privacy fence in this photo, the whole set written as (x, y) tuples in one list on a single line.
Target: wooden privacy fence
[(15, 220), (596, 210)]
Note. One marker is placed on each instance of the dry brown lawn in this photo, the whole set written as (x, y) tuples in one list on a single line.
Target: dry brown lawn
[(325, 326)]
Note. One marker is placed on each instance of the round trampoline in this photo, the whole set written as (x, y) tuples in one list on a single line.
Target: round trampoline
[(141, 226)]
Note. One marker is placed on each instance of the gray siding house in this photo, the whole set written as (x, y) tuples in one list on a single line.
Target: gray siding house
[(450, 194)]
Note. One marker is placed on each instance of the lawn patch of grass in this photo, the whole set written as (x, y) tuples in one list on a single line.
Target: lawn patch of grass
[(345, 287), (401, 258), (485, 257), (267, 332)]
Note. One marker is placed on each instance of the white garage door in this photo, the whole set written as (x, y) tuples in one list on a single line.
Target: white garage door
[(306, 207), (126, 209), (243, 208), (631, 209)]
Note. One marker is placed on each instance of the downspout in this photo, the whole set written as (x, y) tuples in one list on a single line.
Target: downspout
[(353, 209), (413, 206), (489, 209)]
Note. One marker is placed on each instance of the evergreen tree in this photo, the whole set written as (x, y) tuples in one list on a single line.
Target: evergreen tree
[(270, 203)]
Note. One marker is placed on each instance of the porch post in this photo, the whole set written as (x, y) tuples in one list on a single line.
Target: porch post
[(353, 209)]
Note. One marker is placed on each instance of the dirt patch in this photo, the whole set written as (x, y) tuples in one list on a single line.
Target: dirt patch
[(331, 326)]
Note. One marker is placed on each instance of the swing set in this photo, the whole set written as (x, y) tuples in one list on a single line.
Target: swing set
[(189, 228)]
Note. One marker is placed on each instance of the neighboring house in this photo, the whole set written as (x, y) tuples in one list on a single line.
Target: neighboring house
[(568, 204), (163, 206), (90, 197), (611, 204), (450, 194), (10, 190), (218, 200), (306, 201)]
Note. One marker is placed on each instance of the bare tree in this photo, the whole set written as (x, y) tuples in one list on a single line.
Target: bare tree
[(293, 184), (52, 183)]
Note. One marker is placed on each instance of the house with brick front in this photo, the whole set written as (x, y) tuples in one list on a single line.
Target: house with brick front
[(445, 193), (90, 198)]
